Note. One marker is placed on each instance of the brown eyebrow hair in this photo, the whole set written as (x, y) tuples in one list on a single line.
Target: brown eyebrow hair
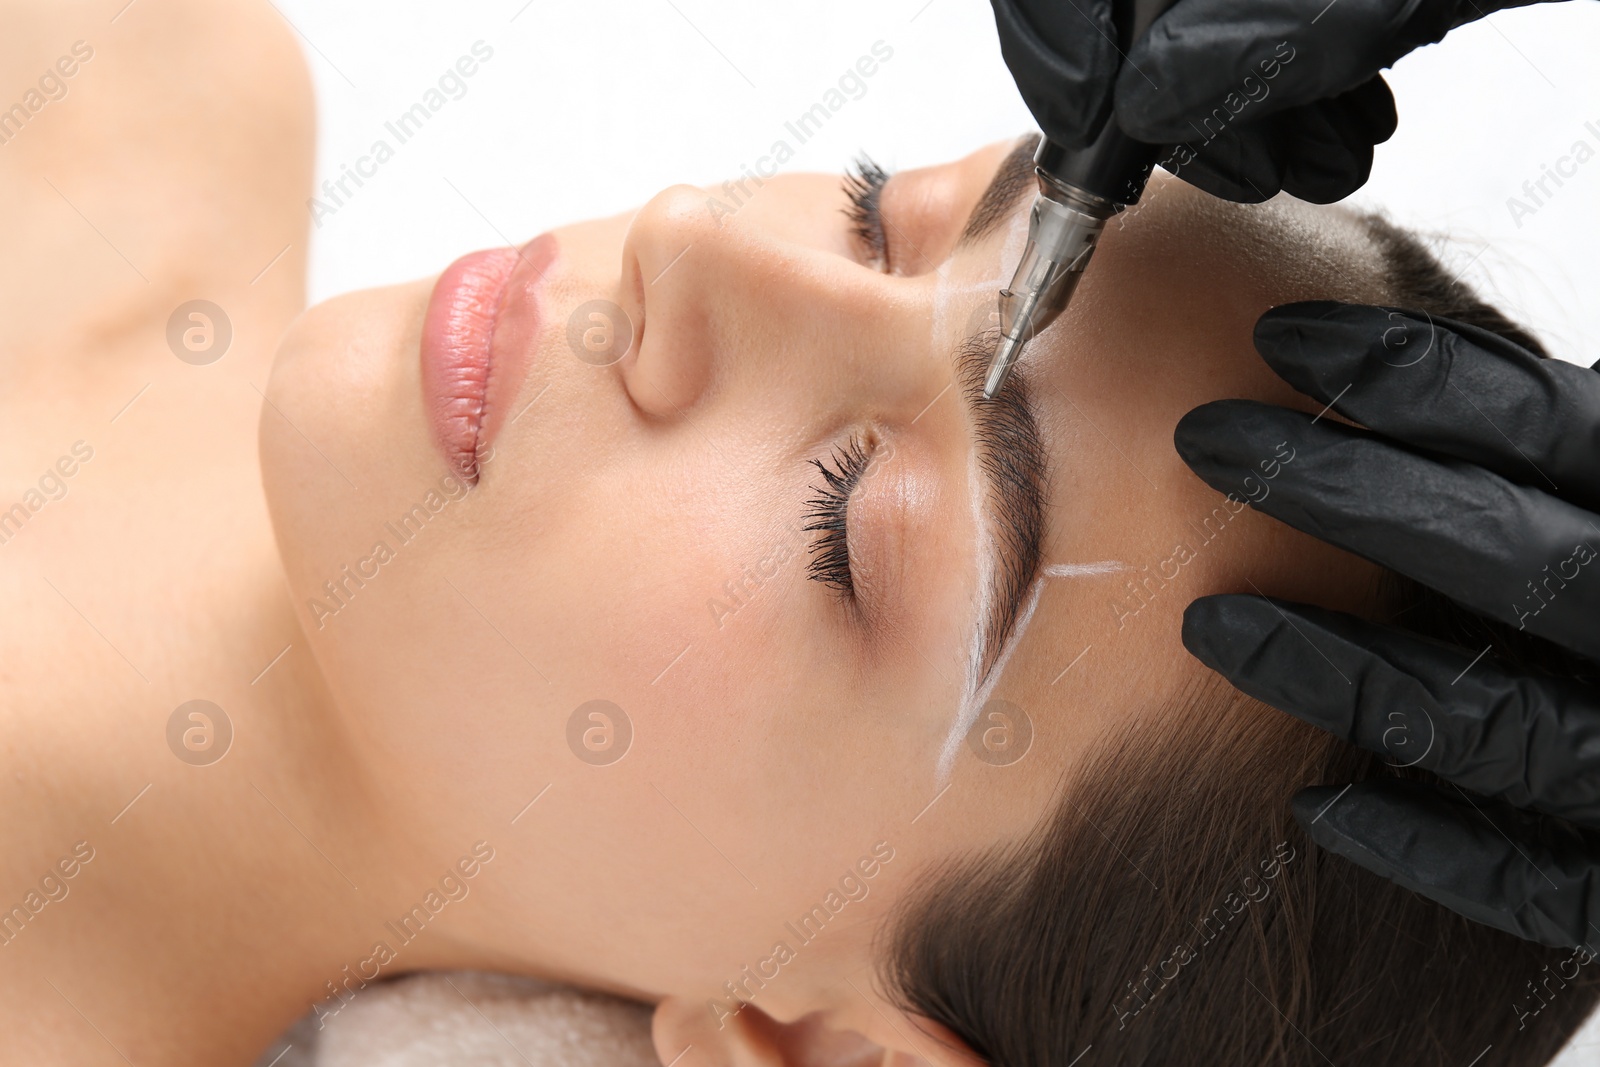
[(1011, 180), (1011, 456)]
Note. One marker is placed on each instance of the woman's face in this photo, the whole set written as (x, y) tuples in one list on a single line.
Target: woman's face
[(791, 706)]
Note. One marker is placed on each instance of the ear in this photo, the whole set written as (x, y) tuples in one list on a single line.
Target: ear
[(688, 1034), (939, 1045)]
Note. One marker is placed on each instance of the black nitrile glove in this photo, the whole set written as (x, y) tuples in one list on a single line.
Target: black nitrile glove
[(1257, 95), (1477, 474)]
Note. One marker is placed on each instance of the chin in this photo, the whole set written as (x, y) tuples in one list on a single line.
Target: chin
[(343, 437)]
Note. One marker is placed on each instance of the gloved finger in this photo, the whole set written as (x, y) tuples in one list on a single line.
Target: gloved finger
[(1530, 740), (1243, 164), (1446, 387), (1064, 59), (1528, 875), (1510, 552), (1331, 141), (1319, 152), (1276, 54)]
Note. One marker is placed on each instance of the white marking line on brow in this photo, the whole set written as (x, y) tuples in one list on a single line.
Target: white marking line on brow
[(1080, 570), (1016, 239), (967, 710), (972, 704)]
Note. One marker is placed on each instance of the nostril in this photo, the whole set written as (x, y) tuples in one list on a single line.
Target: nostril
[(638, 306)]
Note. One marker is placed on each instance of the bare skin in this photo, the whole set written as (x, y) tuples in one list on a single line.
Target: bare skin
[(173, 168)]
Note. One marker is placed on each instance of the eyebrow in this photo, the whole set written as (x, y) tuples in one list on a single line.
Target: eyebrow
[(1013, 178), (1011, 454), (1012, 459)]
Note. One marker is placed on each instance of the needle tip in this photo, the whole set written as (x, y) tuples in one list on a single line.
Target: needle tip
[(1005, 354)]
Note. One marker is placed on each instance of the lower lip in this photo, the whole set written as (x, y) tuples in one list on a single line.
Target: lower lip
[(468, 378)]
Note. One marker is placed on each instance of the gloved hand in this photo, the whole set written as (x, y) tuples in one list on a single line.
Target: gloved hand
[(1259, 95), (1478, 474)]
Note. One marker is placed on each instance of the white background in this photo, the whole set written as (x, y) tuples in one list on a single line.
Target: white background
[(589, 108)]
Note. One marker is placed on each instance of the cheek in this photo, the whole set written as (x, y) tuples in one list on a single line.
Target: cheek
[(643, 577)]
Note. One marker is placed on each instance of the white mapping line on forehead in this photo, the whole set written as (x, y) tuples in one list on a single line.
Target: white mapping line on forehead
[(962, 298), (1006, 257), (953, 304), (1016, 241)]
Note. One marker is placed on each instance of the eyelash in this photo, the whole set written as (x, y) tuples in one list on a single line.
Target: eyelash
[(828, 509), (863, 183), (826, 514)]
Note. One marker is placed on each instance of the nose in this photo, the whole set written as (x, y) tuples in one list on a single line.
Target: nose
[(670, 367), (722, 303)]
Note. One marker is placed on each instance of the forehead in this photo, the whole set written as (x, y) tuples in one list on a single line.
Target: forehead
[(1161, 323)]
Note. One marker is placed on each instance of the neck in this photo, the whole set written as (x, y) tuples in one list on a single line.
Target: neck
[(222, 901)]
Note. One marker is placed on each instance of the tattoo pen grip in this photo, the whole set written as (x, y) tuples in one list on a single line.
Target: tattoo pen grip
[(1078, 191)]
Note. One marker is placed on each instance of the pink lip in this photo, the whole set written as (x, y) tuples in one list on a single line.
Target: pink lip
[(482, 319)]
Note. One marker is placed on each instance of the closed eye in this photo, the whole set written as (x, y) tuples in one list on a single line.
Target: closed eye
[(827, 515), (863, 185)]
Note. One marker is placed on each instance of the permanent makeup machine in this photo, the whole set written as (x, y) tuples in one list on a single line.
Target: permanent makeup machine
[(1079, 189)]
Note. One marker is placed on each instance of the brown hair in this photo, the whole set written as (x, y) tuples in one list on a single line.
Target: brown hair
[(1171, 911)]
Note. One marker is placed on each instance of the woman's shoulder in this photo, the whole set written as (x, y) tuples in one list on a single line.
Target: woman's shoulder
[(150, 152)]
